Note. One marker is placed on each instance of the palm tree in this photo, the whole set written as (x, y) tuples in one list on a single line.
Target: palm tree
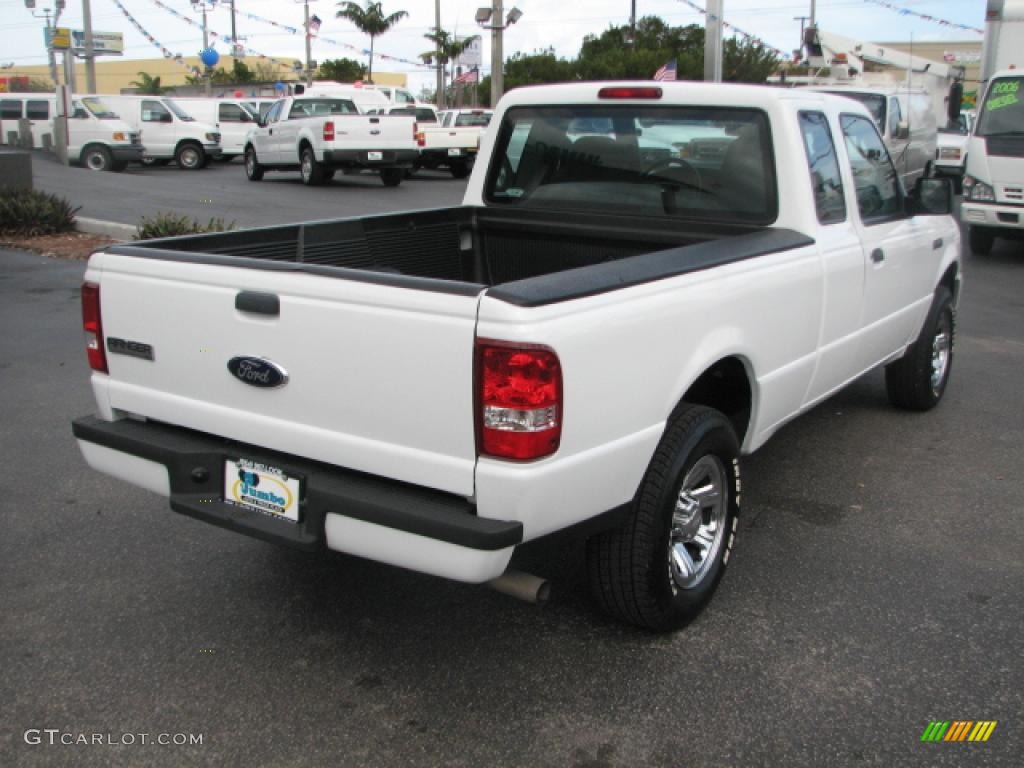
[(370, 21), (447, 48), (149, 85)]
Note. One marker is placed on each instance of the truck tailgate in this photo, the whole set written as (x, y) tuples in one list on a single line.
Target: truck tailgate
[(379, 377)]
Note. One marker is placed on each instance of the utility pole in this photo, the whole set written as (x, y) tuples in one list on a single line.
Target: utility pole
[(803, 25), (439, 87), (309, 51), (206, 46), (814, 13), (234, 34), (497, 54), (90, 55), (632, 25), (713, 41)]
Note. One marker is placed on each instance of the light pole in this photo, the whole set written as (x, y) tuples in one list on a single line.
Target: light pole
[(90, 55), (492, 19), (206, 5), (309, 42), (58, 9), (439, 93)]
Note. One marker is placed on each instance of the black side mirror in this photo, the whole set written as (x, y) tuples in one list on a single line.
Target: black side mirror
[(261, 122), (932, 197)]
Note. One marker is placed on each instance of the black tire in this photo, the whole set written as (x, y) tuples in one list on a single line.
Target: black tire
[(97, 158), (459, 170), (310, 170), (190, 157), (632, 570), (253, 169), (918, 380), (981, 240), (392, 177)]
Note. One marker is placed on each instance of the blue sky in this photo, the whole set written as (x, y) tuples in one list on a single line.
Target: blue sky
[(545, 23)]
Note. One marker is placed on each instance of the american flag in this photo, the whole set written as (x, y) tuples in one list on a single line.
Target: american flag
[(471, 76), (666, 71)]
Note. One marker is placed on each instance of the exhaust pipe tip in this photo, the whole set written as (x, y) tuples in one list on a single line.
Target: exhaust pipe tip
[(522, 586)]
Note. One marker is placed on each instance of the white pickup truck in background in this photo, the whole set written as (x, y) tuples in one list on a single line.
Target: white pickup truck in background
[(588, 344), (318, 135)]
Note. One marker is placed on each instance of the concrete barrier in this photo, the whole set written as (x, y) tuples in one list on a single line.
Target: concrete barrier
[(15, 169)]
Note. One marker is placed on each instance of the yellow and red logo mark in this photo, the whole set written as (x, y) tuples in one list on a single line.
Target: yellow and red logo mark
[(958, 730)]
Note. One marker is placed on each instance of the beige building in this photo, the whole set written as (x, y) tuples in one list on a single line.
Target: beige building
[(114, 75)]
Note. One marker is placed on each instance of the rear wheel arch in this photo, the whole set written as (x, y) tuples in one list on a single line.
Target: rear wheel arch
[(726, 386)]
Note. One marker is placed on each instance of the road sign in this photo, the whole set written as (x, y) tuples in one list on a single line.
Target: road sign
[(103, 43), (471, 57)]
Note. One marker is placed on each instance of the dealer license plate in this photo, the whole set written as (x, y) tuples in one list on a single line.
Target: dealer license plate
[(454, 152), (266, 489), (374, 155)]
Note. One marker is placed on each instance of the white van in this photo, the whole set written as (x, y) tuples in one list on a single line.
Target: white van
[(96, 137), (906, 119), (395, 95), (232, 117), (168, 131), (364, 97)]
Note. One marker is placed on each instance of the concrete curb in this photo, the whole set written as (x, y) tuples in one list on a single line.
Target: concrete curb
[(112, 229)]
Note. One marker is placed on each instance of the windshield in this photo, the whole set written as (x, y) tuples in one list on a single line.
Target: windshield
[(479, 119), (180, 113), (873, 101), (1002, 112), (693, 162), (98, 108)]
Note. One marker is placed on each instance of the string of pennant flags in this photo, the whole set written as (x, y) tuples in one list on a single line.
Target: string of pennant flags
[(935, 19), (227, 38), (745, 35), (142, 31), (315, 27)]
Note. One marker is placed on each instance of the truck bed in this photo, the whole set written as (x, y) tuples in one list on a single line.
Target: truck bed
[(527, 257)]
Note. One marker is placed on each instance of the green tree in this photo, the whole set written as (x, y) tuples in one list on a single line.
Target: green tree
[(341, 70), (538, 67), (447, 49), (149, 85), (370, 21)]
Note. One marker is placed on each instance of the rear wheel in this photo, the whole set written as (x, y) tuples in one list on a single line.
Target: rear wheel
[(312, 172), (918, 380), (981, 240), (661, 567), (253, 170), (97, 158), (190, 157), (459, 170), (392, 177)]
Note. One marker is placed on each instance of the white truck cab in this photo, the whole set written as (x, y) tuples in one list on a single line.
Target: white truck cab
[(169, 131), (97, 138)]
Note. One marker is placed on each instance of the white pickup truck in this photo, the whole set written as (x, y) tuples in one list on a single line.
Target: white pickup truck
[(319, 134), (589, 342)]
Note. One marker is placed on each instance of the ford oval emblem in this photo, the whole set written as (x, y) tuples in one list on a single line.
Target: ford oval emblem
[(257, 371)]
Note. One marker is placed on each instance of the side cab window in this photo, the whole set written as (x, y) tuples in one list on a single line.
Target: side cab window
[(826, 180), (155, 112), (275, 112), (876, 183)]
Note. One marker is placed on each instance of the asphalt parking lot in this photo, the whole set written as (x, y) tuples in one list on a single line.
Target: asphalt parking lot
[(875, 586)]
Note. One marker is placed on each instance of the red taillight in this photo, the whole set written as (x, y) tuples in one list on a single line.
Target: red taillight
[(329, 130), (519, 400), (629, 92), (93, 327), (419, 136)]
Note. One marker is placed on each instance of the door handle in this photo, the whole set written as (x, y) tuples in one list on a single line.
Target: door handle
[(878, 255), (258, 303)]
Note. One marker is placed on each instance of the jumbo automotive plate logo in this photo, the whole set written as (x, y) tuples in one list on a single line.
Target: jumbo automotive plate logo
[(958, 730), (263, 491)]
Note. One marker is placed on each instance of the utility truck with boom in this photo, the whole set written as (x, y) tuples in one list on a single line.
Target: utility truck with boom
[(643, 283)]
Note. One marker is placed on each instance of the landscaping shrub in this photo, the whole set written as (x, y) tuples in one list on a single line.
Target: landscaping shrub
[(172, 225), (30, 213)]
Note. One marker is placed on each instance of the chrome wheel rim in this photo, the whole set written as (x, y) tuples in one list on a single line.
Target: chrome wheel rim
[(95, 161), (250, 163), (942, 348), (698, 523), (307, 167), (189, 158)]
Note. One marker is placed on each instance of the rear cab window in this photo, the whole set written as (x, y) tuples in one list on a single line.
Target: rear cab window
[(826, 180), (680, 161)]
